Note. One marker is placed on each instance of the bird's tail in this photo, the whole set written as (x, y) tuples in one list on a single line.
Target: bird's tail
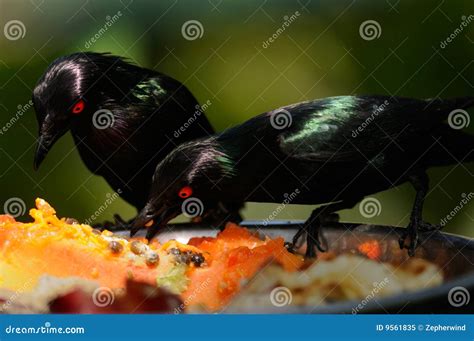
[(446, 106), (452, 145)]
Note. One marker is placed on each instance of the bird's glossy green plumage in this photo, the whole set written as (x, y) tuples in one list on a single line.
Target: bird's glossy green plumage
[(324, 120), (149, 90)]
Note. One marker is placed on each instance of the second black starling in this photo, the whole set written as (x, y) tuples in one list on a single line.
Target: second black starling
[(333, 151)]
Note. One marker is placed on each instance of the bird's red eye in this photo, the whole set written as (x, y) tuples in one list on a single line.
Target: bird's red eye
[(185, 192), (78, 107)]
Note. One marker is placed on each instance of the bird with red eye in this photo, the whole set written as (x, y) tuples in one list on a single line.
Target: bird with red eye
[(85, 79), (78, 107), (185, 192)]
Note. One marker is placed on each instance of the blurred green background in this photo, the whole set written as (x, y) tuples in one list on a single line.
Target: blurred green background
[(319, 54)]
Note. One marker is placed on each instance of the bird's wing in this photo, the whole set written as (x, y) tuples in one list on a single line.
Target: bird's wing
[(351, 128), (157, 89), (149, 91)]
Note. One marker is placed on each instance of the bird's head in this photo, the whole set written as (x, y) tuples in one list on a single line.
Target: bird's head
[(72, 89), (189, 180)]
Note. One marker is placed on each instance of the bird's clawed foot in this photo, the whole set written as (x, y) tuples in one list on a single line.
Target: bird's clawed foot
[(312, 228), (427, 227), (313, 238), (413, 233)]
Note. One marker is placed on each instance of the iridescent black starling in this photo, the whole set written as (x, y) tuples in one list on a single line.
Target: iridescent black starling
[(333, 151), (123, 118)]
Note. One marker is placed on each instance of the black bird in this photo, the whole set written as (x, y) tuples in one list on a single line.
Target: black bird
[(332, 151), (123, 118)]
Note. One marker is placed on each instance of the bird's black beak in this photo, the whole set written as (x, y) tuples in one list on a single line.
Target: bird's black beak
[(153, 220), (146, 217), (49, 134), (42, 148)]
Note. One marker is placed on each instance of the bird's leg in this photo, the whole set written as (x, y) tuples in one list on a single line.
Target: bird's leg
[(420, 182), (334, 217), (313, 225)]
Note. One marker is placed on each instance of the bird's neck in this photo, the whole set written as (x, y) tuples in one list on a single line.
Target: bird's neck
[(102, 135)]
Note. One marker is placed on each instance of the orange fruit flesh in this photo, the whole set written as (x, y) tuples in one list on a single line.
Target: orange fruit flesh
[(51, 246)]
